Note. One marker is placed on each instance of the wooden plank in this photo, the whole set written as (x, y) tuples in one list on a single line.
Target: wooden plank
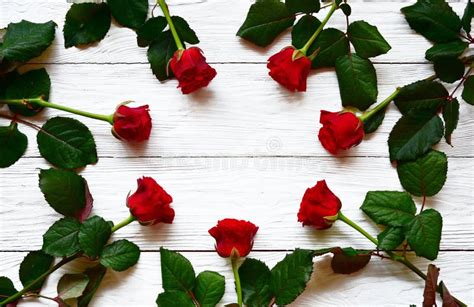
[(394, 285), (251, 117), (266, 191), (219, 42)]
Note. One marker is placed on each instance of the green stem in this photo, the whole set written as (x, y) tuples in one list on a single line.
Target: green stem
[(19, 294), (401, 259), (364, 117), (123, 223), (43, 103), (308, 44), (349, 222), (64, 261), (238, 287), (166, 12)]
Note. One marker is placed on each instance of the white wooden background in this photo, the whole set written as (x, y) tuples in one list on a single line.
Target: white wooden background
[(243, 148)]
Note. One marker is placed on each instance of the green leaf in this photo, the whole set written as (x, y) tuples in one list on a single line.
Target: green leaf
[(422, 94), (32, 84), (451, 117), (160, 52), (151, 30), (60, 240), (265, 20), (120, 255), (6, 288), (66, 143), (86, 23), (303, 30), (93, 235), (65, 191), (173, 299), (389, 208), (391, 238), (468, 92), (332, 44), (129, 13), (357, 81), (467, 16), (449, 69), (95, 274), (434, 19), (367, 40), (209, 288), (451, 49), (371, 124), (33, 266), (303, 6), (177, 272), (346, 9), (424, 233), (424, 176), (72, 286), (289, 276), (255, 278), (185, 32), (348, 260), (13, 145), (413, 135), (26, 40)]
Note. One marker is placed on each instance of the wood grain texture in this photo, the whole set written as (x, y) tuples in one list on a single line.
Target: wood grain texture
[(395, 285), (267, 191), (242, 113), (244, 148), (217, 38)]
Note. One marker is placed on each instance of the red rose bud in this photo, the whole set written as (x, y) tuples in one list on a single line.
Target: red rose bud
[(340, 130), (132, 124), (150, 204), (319, 207), (290, 68), (189, 66), (234, 238)]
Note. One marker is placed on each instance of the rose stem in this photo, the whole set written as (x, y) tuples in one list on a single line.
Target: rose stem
[(43, 103), (368, 114), (123, 223), (166, 12), (238, 287), (364, 117), (63, 261), (393, 256), (305, 48)]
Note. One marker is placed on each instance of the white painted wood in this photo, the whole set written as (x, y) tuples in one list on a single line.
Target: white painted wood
[(266, 191), (217, 34), (243, 112), (393, 284), (243, 148)]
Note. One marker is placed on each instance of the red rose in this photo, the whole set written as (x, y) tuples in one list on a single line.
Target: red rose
[(190, 68), (288, 70), (132, 124), (340, 130), (319, 207), (150, 204), (233, 237)]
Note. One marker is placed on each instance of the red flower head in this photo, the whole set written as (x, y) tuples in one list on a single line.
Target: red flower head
[(340, 130), (288, 70), (132, 124), (234, 238), (319, 207), (189, 66), (150, 204)]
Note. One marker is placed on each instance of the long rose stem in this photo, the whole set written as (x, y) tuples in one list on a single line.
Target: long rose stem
[(393, 256)]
